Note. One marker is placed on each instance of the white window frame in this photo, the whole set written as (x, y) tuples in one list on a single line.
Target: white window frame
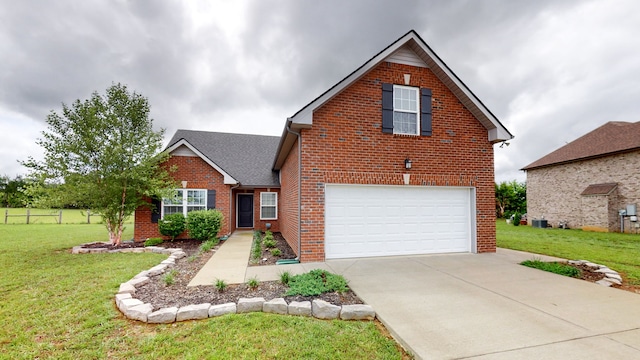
[(185, 202), (416, 91), (275, 205)]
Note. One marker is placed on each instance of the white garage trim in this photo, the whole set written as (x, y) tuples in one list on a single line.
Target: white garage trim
[(389, 220)]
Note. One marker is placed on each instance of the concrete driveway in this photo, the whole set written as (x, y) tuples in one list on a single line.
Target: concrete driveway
[(486, 306)]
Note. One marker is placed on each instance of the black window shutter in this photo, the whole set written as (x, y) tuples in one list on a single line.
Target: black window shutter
[(425, 118), (156, 211), (387, 108), (211, 199)]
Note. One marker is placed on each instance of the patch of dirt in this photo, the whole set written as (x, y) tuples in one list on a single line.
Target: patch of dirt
[(160, 295), (588, 273), (268, 258)]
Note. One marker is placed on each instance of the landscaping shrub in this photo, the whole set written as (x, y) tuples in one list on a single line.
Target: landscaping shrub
[(269, 243), (208, 245), (204, 224), (172, 225), (276, 252), (516, 219), (554, 267), (153, 241), (256, 248), (316, 282), (221, 285), (253, 283)]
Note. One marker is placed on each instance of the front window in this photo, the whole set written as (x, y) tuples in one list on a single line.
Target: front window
[(185, 200), (268, 206), (405, 110)]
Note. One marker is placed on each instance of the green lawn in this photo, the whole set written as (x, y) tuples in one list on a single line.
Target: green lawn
[(58, 305), (620, 252)]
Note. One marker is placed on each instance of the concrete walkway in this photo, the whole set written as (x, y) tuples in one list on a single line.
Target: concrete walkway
[(470, 306), (230, 263)]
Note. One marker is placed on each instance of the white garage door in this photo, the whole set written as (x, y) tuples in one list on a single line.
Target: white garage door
[(369, 220)]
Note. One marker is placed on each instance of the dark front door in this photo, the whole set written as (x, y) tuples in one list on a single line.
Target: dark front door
[(245, 210)]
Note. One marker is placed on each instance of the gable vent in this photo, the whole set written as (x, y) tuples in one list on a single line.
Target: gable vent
[(406, 56)]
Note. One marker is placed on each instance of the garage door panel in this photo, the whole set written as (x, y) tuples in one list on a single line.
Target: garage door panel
[(396, 220)]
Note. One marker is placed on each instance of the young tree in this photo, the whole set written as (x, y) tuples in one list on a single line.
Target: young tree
[(104, 155)]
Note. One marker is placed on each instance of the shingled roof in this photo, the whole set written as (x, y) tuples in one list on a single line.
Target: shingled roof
[(247, 158), (611, 138)]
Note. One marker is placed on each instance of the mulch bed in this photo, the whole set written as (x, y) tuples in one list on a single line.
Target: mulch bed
[(160, 295)]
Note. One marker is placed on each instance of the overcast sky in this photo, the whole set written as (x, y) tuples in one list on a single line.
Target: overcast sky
[(551, 71)]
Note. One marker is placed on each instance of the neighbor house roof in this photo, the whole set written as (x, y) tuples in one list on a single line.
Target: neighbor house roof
[(599, 189), (413, 42), (611, 138), (241, 158)]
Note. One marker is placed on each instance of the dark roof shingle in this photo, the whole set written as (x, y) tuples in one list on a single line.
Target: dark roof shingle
[(248, 158), (610, 138), (599, 189)]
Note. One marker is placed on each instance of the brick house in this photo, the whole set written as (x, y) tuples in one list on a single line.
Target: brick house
[(395, 159), (589, 180)]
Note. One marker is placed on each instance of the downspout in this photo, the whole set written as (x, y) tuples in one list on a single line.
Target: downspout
[(297, 134)]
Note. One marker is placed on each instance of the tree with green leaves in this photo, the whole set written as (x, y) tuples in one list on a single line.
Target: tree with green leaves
[(102, 154), (13, 192), (511, 197)]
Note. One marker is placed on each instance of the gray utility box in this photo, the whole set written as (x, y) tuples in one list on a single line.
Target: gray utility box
[(539, 223)]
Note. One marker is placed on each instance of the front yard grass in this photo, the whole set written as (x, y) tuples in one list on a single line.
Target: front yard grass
[(620, 252), (58, 305)]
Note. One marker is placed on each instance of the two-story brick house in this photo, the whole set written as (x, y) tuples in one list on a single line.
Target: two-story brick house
[(395, 159)]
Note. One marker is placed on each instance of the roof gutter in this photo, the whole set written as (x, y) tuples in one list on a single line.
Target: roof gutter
[(297, 134)]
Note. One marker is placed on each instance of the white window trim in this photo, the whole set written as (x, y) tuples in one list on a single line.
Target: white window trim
[(185, 204), (417, 111), (274, 206)]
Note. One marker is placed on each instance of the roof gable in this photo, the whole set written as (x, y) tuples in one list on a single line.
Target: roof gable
[(611, 138), (400, 51), (242, 159)]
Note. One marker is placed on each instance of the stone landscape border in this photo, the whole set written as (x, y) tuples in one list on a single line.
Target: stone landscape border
[(610, 276), (135, 309)]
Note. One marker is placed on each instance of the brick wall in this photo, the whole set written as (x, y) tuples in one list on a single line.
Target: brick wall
[(346, 145), (554, 192), (261, 224), (199, 175), (289, 199)]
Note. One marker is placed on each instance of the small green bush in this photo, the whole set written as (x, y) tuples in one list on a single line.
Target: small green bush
[(153, 241), (276, 252), (269, 243), (516, 219), (208, 245), (253, 283), (316, 282), (554, 267), (172, 225), (221, 285), (285, 276), (204, 224), (169, 277)]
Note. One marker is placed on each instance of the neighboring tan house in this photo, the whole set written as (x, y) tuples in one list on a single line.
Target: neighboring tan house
[(588, 181), (395, 159)]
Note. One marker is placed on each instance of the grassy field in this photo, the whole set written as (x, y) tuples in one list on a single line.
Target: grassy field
[(69, 216), (58, 305), (620, 252)]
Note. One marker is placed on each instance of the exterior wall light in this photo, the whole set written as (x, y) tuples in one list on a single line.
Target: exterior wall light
[(407, 163)]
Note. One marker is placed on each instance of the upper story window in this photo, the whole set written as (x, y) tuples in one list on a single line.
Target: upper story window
[(405, 110), (185, 200), (268, 206)]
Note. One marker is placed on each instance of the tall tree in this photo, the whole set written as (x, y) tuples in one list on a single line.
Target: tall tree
[(511, 197), (13, 192), (103, 154)]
